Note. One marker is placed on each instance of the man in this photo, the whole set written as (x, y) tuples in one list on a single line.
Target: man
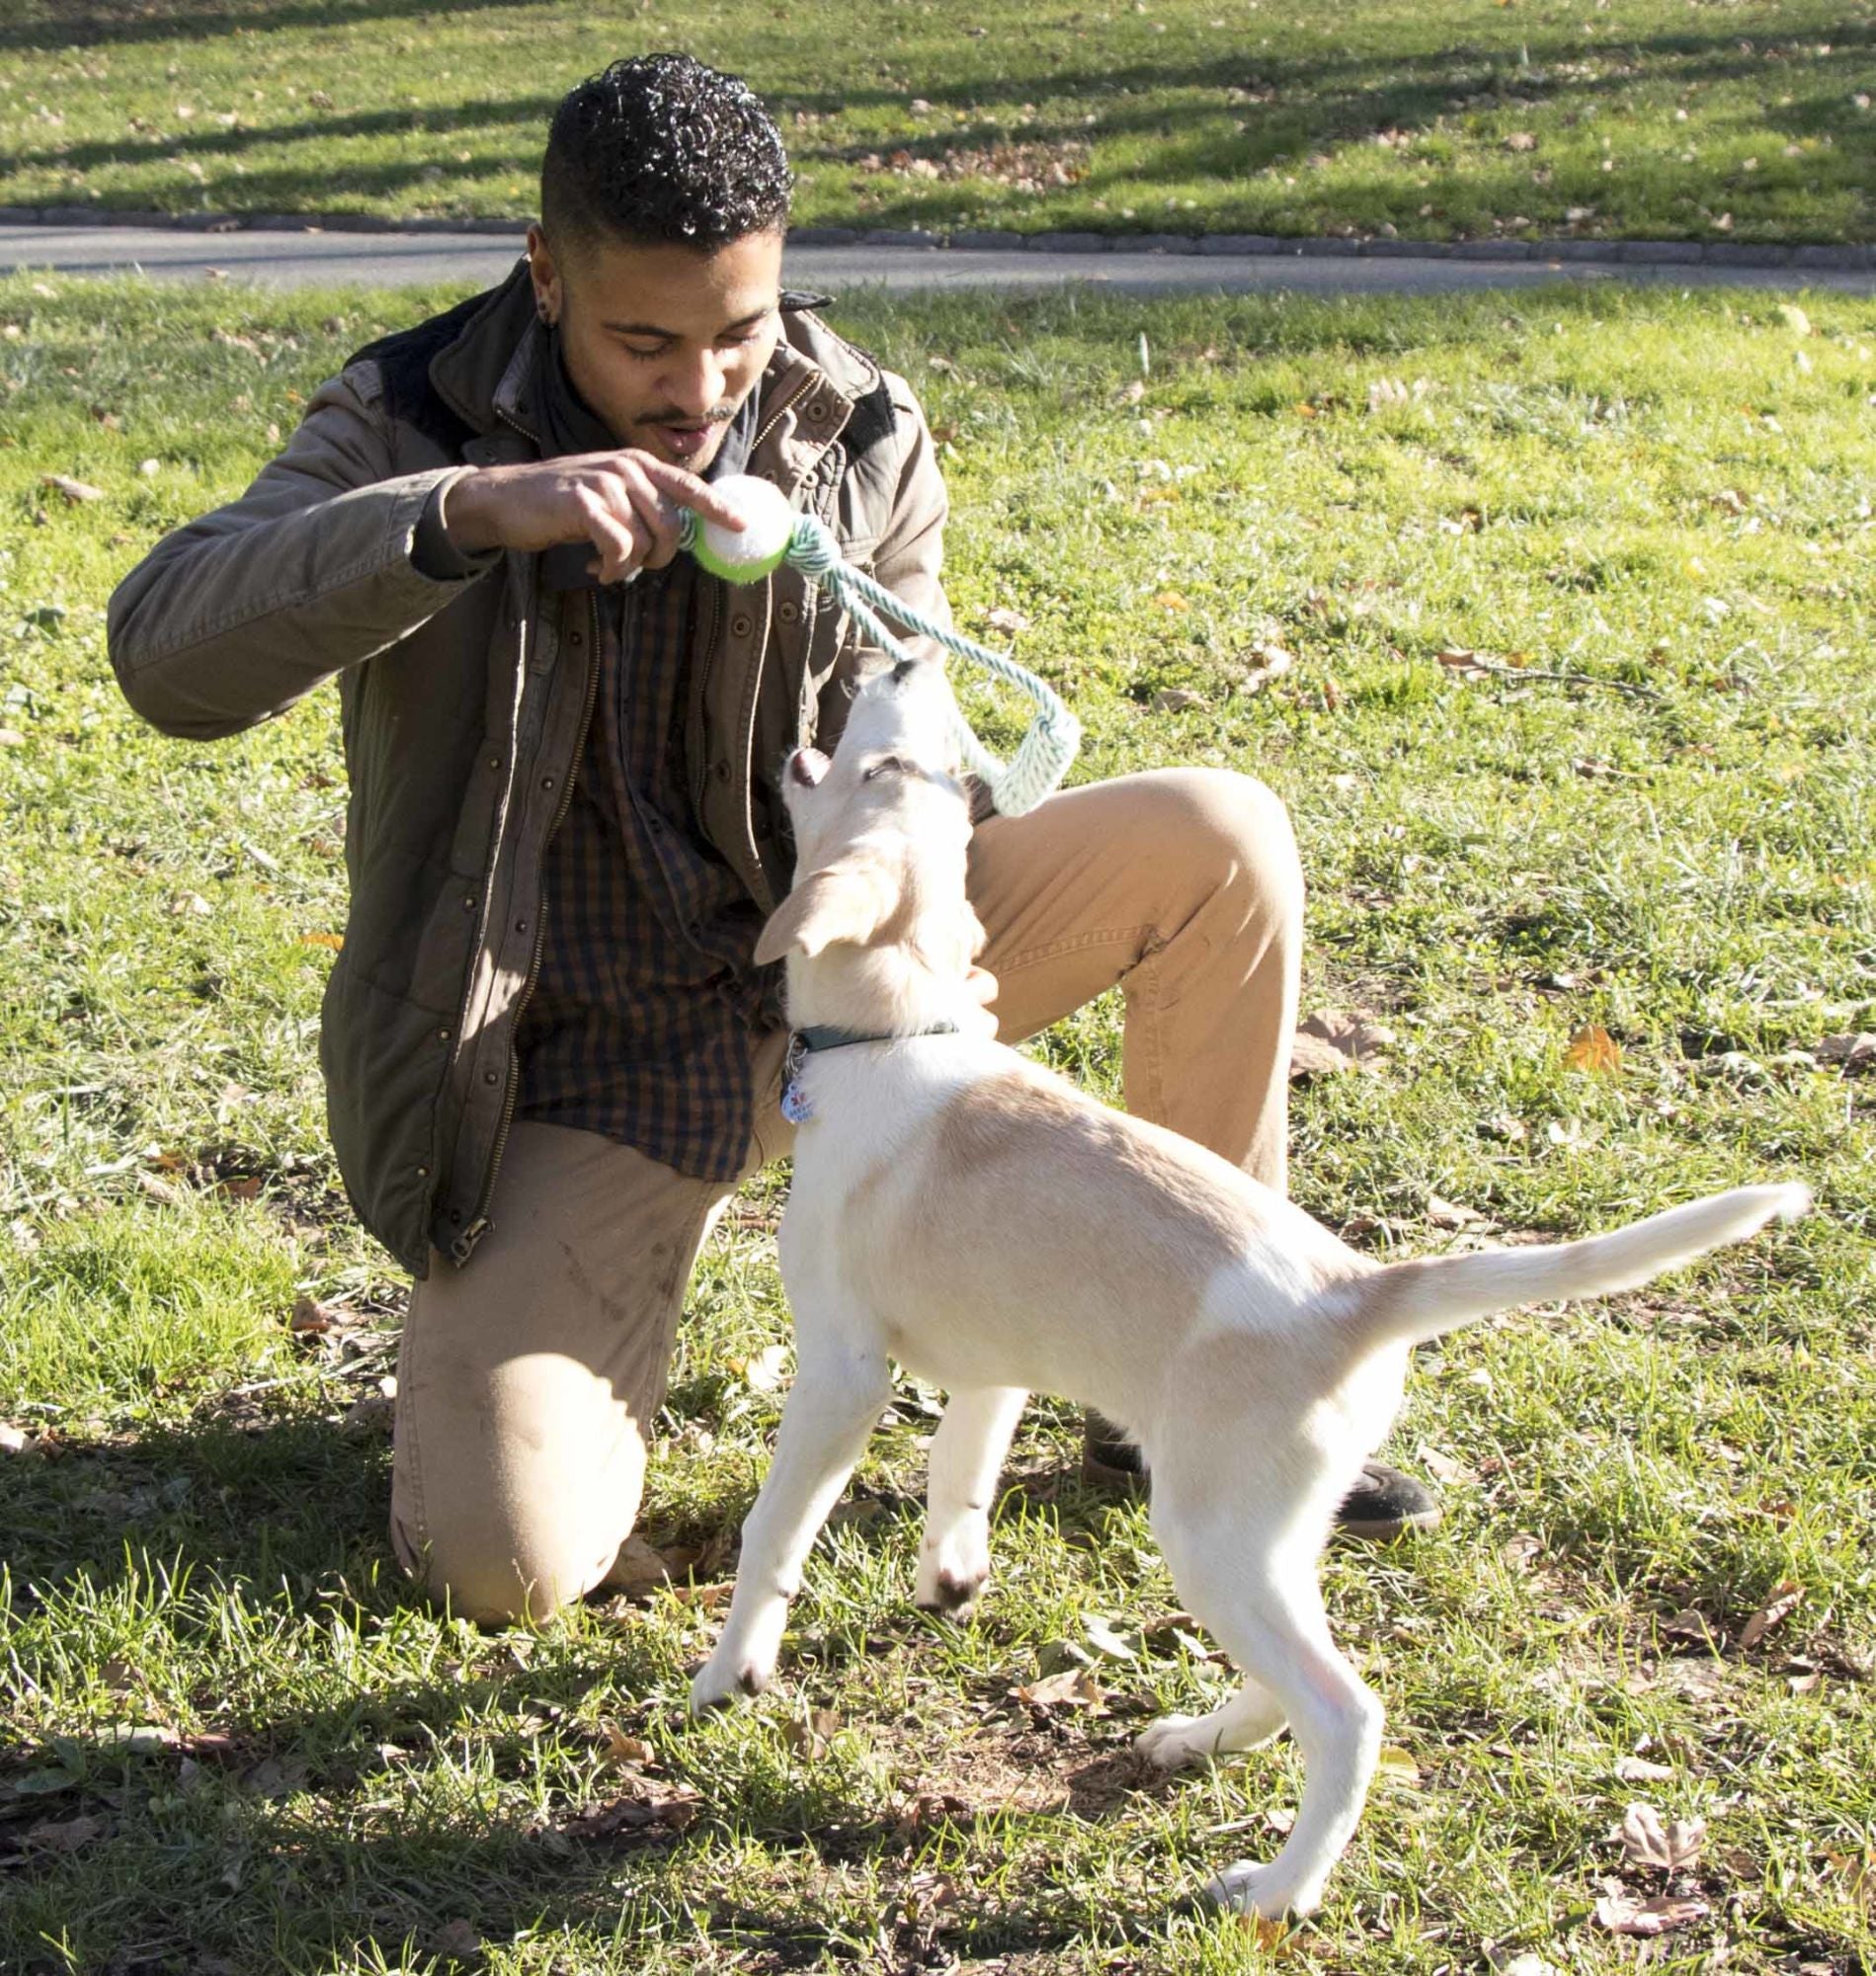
[(549, 1055)]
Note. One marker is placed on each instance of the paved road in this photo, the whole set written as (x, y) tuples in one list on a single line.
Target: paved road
[(300, 259)]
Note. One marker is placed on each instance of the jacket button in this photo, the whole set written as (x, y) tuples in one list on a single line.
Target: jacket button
[(547, 781), (788, 614), (521, 926), (491, 1077), (742, 624), (442, 1036), (468, 904), (495, 763), (817, 410), (721, 772), (576, 639), (423, 1173)]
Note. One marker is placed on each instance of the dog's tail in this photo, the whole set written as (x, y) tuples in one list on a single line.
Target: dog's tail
[(1409, 1302)]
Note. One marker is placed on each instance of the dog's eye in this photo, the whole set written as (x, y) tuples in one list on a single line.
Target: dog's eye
[(886, 765)]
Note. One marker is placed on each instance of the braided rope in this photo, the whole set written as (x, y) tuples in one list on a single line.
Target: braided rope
[(1054, 735)]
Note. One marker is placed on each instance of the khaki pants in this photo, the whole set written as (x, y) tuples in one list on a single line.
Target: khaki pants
[(529, 1379)]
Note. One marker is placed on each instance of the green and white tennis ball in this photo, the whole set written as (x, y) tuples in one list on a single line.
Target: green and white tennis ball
[(762, 547)]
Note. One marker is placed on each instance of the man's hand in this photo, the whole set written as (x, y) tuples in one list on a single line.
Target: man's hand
[(625, 503)]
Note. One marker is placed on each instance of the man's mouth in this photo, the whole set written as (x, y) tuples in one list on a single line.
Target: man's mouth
[(687, 441)]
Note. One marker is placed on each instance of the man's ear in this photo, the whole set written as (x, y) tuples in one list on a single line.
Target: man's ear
[(846, 902)]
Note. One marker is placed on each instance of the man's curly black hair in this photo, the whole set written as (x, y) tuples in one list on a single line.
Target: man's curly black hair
[(662, 148)]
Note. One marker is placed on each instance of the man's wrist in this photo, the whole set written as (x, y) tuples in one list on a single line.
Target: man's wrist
[(435, 549), (460, 511)]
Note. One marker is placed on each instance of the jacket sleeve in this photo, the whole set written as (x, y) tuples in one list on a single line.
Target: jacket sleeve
[(234, 617)]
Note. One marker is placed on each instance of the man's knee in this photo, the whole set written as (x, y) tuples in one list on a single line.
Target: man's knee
[(498, 1578), (1221, 830)]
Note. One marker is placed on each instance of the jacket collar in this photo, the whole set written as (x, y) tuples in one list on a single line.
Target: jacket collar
[(488, 374)]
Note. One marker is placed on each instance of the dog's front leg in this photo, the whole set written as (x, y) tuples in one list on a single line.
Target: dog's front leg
[(967, 1454), (838, 1397)]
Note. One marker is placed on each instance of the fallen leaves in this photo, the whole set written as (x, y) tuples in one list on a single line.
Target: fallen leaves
[(1333, 1040), (1856, 1053), (75, 491), (1621, 1913), (1075, 1688), (1669, 1845), (1268, 662), (1593, 1049), (1787, 1595), (67, 1835)]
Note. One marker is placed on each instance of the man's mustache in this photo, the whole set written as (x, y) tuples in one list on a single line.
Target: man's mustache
[(674, 416)]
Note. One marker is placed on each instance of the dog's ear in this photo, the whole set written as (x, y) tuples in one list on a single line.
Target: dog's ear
[(846, 902)]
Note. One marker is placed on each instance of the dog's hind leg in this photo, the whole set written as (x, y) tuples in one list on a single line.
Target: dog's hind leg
[(838, 1397), (967, 1454), (1261, 1600)]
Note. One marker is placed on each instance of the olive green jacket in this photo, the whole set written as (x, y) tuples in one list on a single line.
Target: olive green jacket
[(465, 702)]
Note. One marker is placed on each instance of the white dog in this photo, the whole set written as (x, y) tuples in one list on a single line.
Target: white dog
[(961, 1210)]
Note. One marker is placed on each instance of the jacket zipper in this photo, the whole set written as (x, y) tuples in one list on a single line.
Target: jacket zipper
[(463, 1246), (478, 1224)]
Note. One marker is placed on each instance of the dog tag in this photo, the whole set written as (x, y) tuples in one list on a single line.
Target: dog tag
[(794, 1104)]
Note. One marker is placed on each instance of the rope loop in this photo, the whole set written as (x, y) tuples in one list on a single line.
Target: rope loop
[(1049, 744)]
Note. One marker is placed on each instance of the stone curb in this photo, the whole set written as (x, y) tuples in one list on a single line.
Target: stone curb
[(1645, 253)]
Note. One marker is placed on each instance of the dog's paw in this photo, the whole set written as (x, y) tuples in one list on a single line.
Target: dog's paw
[(722, 1680), (939, 1590), (952, 1570), (1174, 1741), (1247, 1888)]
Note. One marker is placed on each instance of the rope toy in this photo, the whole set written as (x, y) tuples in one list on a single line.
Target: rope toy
[(774, 534)]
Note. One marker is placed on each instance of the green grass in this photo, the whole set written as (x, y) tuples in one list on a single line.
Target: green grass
[(1665, 493), (1747, 120)]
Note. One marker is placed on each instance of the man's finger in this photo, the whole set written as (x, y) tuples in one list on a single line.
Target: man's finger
[(688, 491)]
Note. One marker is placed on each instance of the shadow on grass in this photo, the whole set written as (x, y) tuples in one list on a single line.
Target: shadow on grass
[(1295, 107), (52, 27)]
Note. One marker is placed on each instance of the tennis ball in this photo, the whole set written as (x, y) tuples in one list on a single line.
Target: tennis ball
[(763, 543)]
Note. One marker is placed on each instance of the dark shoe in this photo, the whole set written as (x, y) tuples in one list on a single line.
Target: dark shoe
[(1384, 1504), (1110, 1461)]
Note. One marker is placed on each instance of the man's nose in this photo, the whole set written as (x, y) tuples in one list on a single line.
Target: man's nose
[(698, 385)]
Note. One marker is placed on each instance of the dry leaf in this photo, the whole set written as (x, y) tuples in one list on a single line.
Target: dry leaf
[(310, 1317), (1103, 1639), (73, 490), (13, 1440), (812, 1733), (1396, 1765), (628, 1752), (1855, 1053), (1003, 618), (1176, 700), (639, 1568), (457, 1939), (1673, 1846), (64, 1836), (1785, 1600), (1639, 1770), (1623, 1913), (1520, 140), (333, 941), (1592, 1048), (1268, 662), (1172, 599), (1439, 1465), (1460, 659), (1689, 1624), (1443, 1214), (1074, 1688), (1335, 1040), (766, 1370), (1795, 318), (1857, 1871)]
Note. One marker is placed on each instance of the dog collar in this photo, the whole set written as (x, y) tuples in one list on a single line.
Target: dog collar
[(818, 1036)]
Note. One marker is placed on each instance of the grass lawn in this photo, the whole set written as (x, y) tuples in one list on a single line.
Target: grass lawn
[(1579, 591), (1748, 120)]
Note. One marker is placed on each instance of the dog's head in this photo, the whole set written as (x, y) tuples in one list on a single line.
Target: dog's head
[(880, 829)]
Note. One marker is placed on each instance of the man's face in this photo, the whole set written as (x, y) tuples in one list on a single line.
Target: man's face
[(664, 342)]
